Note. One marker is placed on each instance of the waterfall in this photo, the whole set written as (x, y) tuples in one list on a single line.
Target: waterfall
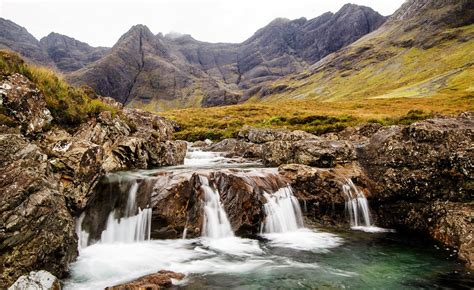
[(283, 211), (356, 205), (133, 227), (82, 236), (216, 224)]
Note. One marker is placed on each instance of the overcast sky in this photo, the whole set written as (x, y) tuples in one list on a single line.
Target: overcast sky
[(102, 22)]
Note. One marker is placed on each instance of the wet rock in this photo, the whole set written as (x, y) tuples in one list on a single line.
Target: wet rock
[(161, 280), (36, 229), (22, 101), (425, 161), (314, 152), (41, 280), (237, 148), (423, 177), (263, 135), (319, 190)]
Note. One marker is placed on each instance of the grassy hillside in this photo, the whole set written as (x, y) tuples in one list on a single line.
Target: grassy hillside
[(68, 105), (312, 116), (382, 65)]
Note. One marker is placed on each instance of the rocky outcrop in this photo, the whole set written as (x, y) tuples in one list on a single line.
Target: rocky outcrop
[(320, 190), (177, 200), (423, 178), (36, 228), (41, 280), (49, 174), (161, 280), (25, 104)]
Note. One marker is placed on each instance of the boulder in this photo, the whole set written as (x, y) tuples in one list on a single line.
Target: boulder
[(423, 179), (36, 228), (21, 100), (263, 135), (161, 280), (41, 280), (316, 152), (320, 190), (237, 148)]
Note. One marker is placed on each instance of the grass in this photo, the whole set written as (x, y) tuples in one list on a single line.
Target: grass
[(311, 115), (386, 70), (69, 105)]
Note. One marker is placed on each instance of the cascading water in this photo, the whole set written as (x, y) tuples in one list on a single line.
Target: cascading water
[(358, 208), (133, 227), (216, 224), (356, 205), (283, 211)]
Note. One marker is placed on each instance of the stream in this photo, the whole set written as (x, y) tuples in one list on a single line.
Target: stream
[(290, 252)]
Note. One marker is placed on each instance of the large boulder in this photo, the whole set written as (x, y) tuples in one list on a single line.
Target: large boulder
[(317, 152), (36, 228), (423, 179), (320, 190), (20, 99), (236, 148), (263, 135), (161, 280), (41, 280)]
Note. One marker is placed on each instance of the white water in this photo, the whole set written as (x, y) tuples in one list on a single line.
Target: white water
[(283, 212), (358, 208), (133, 227), (196, 157), (216, 224)]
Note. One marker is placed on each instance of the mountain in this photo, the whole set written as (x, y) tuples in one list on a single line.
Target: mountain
[(68, 53), (160, 72), (57, 51), (17, 38), (425, 49)]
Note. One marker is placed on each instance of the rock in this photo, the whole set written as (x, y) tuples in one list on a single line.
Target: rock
[(263, 135), (423, 178), (237, 148), (161, 280), (36, 229), (41, 280), (22, 101), (316, 152), (425, 161), (320, 190)]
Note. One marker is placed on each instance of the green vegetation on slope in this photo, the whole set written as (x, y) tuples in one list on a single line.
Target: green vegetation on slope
[(380, 66), (68, 105), (312, 116)]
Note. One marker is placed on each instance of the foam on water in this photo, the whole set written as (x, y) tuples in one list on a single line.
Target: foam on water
[(304, 239)]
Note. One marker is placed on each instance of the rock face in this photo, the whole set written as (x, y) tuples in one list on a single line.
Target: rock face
[(160, 280), (55, 50), (25, 104), (176, 71), (37, 230), (49, 175), (40, 280), (69, 54), (177, 200), (17, 38), (423, 175)]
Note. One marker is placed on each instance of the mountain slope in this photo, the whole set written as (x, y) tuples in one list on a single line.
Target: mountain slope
[(179, 71), (425, 49), (57, 51), (17, 38), (68, 53)]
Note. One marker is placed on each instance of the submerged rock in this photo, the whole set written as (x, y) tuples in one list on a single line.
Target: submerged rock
[(161, 280), (41, 280)]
